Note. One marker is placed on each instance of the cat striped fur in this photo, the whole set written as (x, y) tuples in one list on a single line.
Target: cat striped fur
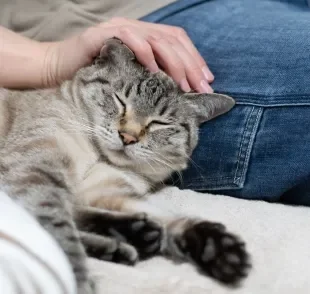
[(81, 158)]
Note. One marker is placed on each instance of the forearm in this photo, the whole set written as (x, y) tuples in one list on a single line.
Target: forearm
[(23, 61)]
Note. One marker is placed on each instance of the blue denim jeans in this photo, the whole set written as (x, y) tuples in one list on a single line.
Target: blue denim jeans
[(259, 52)]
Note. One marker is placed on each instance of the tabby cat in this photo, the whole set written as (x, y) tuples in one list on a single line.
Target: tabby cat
[(81, 157)]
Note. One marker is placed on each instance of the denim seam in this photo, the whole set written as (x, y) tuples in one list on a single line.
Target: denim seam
[(244, 141), (250, 95), (282, 104), (250, 145), (270, 100)]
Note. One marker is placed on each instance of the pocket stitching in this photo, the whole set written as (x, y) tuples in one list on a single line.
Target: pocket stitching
[(249, 144), (236, 180), (243, 141)]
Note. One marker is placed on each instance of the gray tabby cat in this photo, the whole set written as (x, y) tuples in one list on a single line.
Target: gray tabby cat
[(81, 157)]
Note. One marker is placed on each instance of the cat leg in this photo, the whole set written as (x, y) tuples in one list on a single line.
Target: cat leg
[(39, 186), (144, 234), (215, 252)]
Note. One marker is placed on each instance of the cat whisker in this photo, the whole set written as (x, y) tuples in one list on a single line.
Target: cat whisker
[(163, 161), (180, 177), (196, 166), (79, 125), (161, 156)]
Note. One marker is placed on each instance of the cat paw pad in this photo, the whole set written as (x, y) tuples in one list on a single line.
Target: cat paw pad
[(114, 251), (216, 252), (125, 254), (144, 234)]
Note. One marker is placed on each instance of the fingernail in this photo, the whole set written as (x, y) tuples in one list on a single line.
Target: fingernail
[(205, 87), (153, 67), (208, 74), (185, 86)]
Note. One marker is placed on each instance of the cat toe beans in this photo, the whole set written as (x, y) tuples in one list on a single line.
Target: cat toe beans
[(216, 252), (108, 249), (125, 254), (120, 253), (135, 229), (144, 234)]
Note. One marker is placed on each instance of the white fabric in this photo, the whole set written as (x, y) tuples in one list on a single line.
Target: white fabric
[(277, 236), (30, 260)]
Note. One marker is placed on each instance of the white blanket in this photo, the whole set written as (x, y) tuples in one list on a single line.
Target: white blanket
[(277, 236), (30, 260)]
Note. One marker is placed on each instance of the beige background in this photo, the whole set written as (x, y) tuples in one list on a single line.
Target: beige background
[(48, 20)]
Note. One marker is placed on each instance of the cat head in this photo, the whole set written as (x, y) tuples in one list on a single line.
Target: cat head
[(142, 120)]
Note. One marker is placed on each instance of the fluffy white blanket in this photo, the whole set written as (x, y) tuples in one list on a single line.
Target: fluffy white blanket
[(277, 236)]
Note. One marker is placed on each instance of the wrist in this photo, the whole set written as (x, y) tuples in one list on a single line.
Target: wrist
[(22, 61), (49, 63), (62, 59)]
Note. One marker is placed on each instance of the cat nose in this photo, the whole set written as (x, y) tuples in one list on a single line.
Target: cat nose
[(127, 138)]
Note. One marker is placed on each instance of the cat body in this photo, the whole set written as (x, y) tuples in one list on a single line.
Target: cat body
[(82, 157)]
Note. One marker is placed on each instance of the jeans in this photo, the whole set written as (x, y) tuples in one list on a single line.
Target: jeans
[(259, 52)]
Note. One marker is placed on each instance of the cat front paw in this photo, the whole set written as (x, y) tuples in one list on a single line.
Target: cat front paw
[(216, 252), (109, 249), (120, 253), (142, 232)]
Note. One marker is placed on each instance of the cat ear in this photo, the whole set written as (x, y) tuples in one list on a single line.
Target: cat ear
[(114, 48), (208, 106)]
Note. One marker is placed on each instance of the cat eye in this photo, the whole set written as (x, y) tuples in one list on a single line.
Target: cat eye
[(158, 122)]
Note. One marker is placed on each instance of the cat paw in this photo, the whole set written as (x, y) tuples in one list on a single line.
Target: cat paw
[(143, 233), (123, 253), (216, 252), (109, 249)]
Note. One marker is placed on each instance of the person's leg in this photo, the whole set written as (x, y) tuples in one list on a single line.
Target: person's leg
[(30, 260), (259, 54)]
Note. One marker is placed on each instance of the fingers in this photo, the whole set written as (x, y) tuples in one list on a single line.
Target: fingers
[(175, 67), (131, 36), (160, 44), (142, 49), (184, 39), (194, 73), (188, 44)]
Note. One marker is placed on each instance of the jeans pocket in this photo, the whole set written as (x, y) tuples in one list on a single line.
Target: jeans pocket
[(221, 159)]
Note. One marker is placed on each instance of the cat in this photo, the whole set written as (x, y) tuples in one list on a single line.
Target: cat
[(81, 158)]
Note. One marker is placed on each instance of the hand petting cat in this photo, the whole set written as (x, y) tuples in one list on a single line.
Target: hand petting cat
[(153, 44), (27, 63)]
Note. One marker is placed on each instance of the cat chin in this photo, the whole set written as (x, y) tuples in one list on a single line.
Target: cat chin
[(122, 160), (119, 157), (122, 154)]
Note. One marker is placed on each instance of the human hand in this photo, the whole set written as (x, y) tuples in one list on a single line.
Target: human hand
[(153, 44)]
